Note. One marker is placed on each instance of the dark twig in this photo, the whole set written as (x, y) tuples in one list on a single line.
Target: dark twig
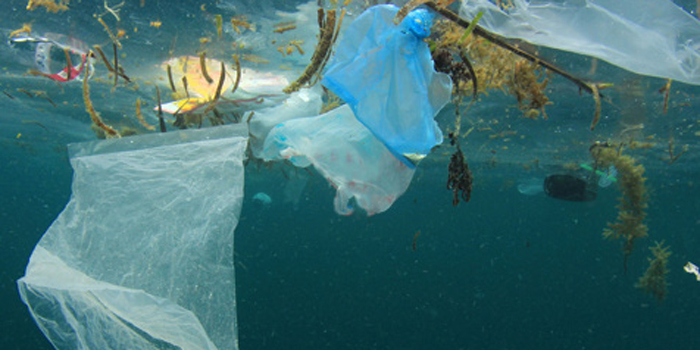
[(497, 40)]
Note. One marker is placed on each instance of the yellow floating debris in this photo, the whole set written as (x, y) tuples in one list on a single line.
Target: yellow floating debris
[(49, 5), (26, 29), (255, 59), (283, 29), (239, 22), (139, 116), (219, 25)]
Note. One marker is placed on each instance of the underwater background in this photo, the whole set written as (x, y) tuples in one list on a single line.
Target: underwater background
[(506, 270)]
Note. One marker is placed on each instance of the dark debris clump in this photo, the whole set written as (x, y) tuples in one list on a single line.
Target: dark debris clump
[(459, 178)]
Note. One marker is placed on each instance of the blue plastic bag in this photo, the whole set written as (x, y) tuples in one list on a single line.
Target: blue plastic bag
[(385, 73)]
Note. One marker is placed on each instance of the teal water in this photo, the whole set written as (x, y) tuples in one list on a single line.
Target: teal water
[(504, 271)]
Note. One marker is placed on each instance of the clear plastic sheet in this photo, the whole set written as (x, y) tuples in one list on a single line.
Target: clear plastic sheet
[(142, 255), (355, 162), (385, 73), (649, 37), (301, 104)]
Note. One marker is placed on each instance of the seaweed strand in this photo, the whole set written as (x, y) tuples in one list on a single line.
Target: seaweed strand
[(91, 109), (320, 54)]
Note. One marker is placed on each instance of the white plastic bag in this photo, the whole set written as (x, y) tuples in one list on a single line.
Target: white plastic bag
[(142, 255), (301, 104), (343, 150), (649, 37)]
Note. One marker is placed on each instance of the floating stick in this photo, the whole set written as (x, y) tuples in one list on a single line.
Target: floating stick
[(119, 71), (116, 64), (203, 66), (222, 77), (46, 97), (121, 74), (283, 29), (666, 89), (219, 86), (26, 92), (69, 64), (596, 98), (161, 121), (170, 79), (238, 73), (35, 123), (104, 58), (184, 83), (502, 43), (415, 238), (475, 83)]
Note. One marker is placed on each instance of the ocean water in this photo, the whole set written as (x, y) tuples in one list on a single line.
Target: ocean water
[(504, 271)]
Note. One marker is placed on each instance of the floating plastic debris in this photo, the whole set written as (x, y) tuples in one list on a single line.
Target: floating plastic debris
[(55, 56), (692, 269), (530, 187), (262, 199), (385, 73), (606, 177), (154, 269), (348, 155), (652, 37)]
